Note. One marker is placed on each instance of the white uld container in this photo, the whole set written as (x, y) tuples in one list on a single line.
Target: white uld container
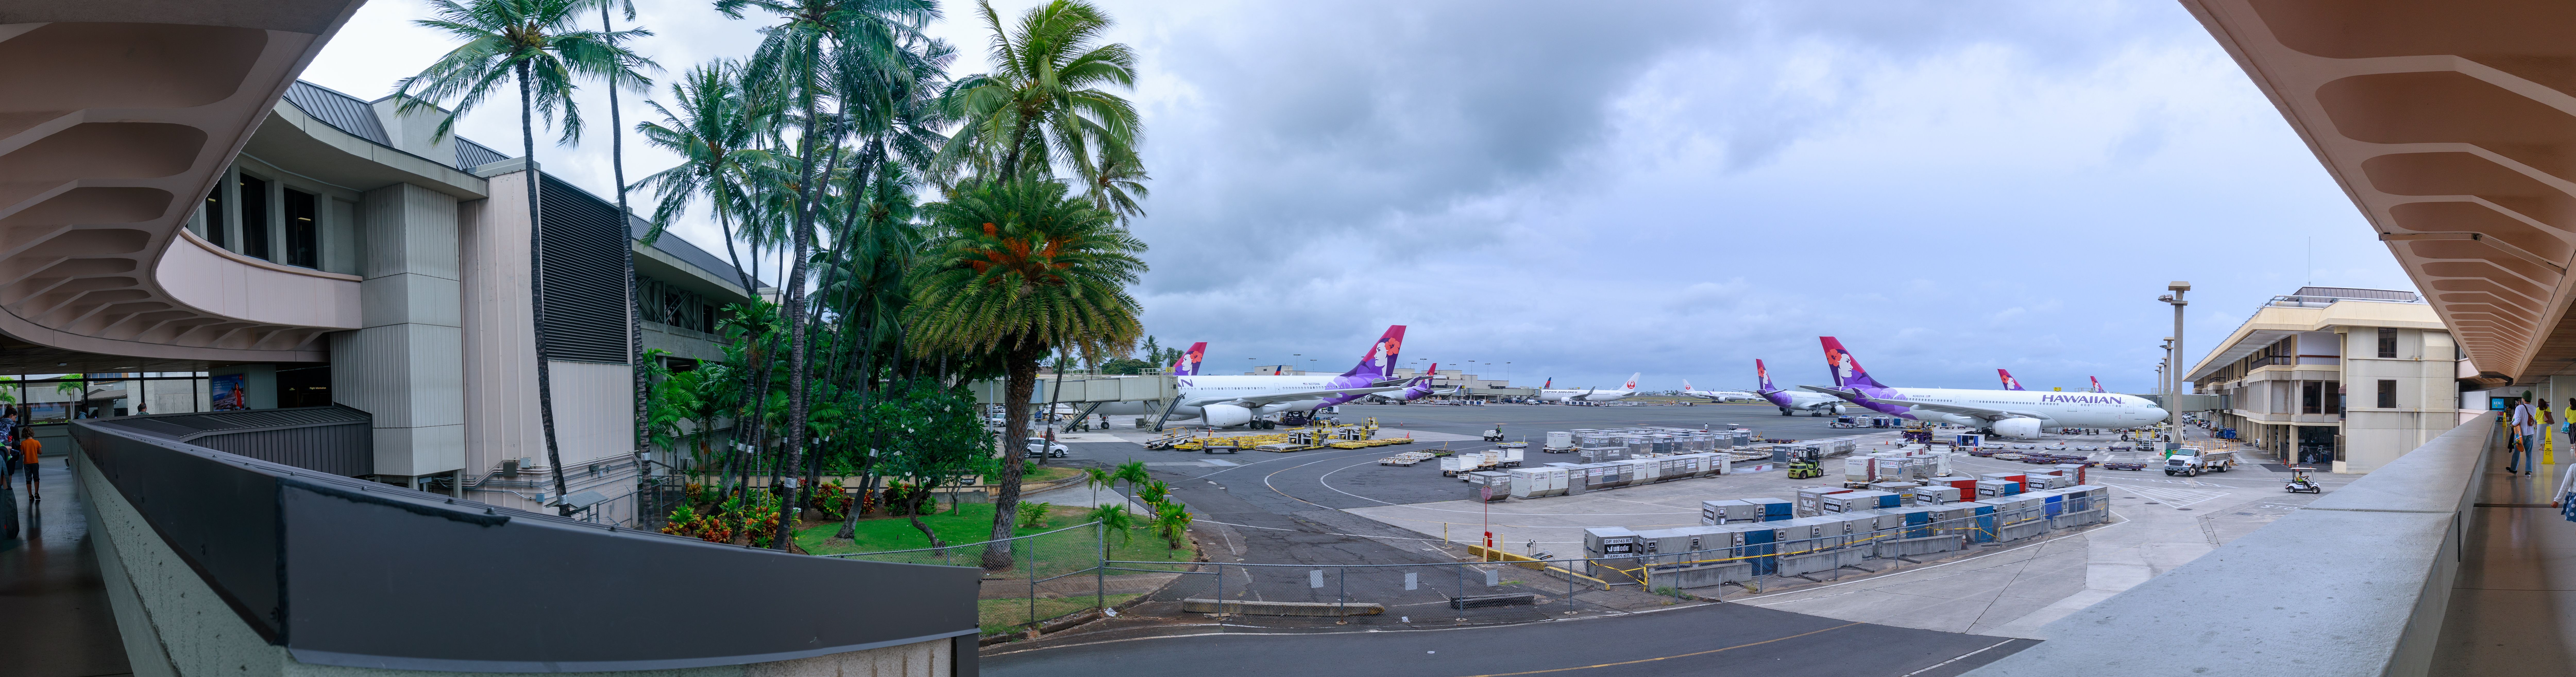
[(1860, 469), (1511, 457), (1537, 482), (1453, 464), (1560, 439)]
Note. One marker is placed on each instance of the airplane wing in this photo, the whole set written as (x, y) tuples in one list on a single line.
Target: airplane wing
[(1972, 411), (1275, 398)]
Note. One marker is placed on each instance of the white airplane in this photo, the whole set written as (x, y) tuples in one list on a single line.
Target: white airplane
[(1792, 401), (2009, 413), (1546, 394), (1720, 395), (1227, 401)]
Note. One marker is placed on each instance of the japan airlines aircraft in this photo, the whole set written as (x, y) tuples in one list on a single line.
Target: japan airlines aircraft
[(1720, 395), (1227, 401), (1588, 394), (2009, 413), (2010, 383), (1793, 401)]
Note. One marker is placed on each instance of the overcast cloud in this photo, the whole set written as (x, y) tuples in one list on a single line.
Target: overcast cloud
[(1672, 188)]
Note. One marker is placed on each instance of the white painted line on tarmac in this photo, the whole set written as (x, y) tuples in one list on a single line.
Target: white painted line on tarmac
[(1961, 657)]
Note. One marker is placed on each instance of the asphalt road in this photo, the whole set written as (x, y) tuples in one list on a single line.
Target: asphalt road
[(1720, 639)]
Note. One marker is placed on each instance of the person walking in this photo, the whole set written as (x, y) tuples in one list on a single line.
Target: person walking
[(8, 432), (30, 447), (2523, 425)]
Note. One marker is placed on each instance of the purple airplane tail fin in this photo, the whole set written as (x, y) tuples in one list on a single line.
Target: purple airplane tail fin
[(1422, 384), (1381, 358), (1761, 378), (1188, 365), (2010, 383), (1847, 370), (2097, 384)]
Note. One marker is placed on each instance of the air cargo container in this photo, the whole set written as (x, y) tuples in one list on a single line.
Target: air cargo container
[(1729, 511), (1537, 482), (1774, 509), (1558, 442), (1810, 502), (1488, 485), (1937, 495)]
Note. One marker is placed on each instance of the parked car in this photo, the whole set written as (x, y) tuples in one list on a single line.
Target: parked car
[(1039, 446)]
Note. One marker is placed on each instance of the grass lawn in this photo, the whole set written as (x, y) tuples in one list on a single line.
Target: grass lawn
[(1049, 473), (1065, 552), (1002, 615)]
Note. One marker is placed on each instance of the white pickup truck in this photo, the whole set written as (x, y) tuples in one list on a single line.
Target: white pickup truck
[(2189, 462)]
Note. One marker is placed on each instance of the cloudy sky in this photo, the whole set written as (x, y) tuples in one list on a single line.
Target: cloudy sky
[(1556, 190)]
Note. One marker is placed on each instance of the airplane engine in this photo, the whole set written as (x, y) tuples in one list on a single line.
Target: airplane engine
[(2017, 428), (1227, 415)]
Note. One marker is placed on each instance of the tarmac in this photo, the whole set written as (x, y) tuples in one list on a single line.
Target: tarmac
[(1410, 513)]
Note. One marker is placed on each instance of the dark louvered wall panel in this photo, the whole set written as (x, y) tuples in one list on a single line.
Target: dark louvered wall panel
[(585, 301)]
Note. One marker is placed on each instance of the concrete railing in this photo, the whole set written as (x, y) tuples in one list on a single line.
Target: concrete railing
[(2354, 584), (224, 564)]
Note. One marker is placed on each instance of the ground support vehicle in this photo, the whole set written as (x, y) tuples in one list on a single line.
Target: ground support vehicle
[(1406, 458), (2186, 463), (2301, 483)]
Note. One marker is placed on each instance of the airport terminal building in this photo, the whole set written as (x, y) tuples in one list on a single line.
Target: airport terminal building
[(285, 344), (2337, 377)]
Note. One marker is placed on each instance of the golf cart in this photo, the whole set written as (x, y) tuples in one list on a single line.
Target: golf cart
[(2300, 483)]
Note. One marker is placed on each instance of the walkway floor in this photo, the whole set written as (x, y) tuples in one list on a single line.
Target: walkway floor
[(2513, 609), (54, 615)]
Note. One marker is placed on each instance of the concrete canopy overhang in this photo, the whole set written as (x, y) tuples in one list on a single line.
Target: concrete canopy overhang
[(116, 117), (2452, 125)]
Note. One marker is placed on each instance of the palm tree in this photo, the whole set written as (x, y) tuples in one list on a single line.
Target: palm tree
[(1117, 184), (1044, 97), (634, 286), (1097, 478), (534, 43), (713, 129), (1022, 269), (794, 55), (1171, 519), (1134, 474)]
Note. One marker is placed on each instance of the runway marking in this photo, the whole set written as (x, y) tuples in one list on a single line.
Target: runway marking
[(1660, 658), (2179, 498), (1961, 657)]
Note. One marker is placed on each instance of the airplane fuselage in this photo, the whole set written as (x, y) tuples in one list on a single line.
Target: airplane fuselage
[(1198, 391), (1561, 395), (1790, 401), (2053, 409)]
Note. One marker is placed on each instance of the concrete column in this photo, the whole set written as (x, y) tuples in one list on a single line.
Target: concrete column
[(403, 365)]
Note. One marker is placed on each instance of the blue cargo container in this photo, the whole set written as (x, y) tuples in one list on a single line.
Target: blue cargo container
[(1985, 515), (1774, 509)]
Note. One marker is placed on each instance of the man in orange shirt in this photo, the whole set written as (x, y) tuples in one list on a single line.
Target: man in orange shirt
[(30, 447)]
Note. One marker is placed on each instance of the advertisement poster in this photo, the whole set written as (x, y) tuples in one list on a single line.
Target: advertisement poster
[(49, 412), (230, 395)]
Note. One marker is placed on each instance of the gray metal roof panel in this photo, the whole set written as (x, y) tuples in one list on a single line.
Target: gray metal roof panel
[(347, 113)]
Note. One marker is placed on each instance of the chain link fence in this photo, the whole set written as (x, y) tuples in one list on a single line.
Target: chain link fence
[(1055, 573)]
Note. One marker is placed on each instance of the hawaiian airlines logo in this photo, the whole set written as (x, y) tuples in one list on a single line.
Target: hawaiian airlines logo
[(2080, 399), (2011, 383), (1185, 383), (1842, 363)]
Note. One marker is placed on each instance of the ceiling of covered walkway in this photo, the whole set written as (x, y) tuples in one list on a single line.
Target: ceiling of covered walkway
[(2453, 127)]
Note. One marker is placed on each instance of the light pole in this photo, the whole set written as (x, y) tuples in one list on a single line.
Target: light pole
[(2175, 369)]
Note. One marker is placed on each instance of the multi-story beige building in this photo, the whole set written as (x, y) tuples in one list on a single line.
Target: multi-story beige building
[(2336, 377)]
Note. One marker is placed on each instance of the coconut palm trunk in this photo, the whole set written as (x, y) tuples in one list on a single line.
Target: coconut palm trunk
[(537, 288), (634, 285)]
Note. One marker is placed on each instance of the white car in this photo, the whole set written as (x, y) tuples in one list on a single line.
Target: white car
[(1041, 447)]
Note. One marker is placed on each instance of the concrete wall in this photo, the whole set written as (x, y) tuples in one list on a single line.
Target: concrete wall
[(2389, 544), (403, 366), (174, 625)]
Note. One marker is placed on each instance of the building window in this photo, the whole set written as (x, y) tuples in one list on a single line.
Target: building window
[(303, 233), (2334, 397), (2311, 397), (215, 215), (2387, 393), (254, 217), (2387, 342)]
